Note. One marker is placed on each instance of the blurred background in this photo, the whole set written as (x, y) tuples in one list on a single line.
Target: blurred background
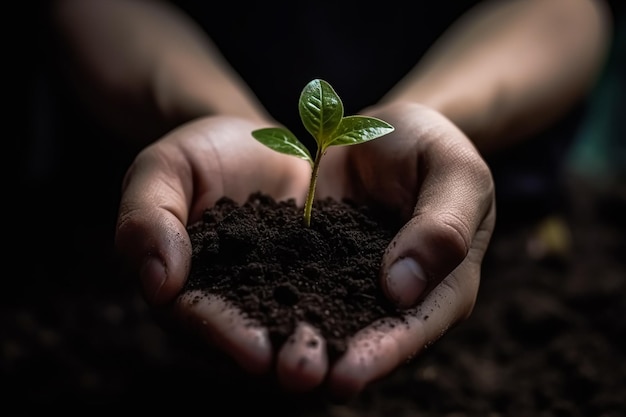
[(73, 331)]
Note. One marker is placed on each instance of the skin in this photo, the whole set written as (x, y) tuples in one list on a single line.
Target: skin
[(470, 96)]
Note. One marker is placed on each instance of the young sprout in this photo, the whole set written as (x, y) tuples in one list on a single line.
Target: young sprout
[(321, 111)]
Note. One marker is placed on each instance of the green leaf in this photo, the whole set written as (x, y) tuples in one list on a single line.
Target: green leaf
[(359, 129), (321, 110), (283, 141)]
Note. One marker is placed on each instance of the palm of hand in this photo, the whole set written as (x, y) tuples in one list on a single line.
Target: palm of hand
[(420, 175)]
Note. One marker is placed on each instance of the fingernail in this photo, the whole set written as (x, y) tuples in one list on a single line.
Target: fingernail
[(406, 282), (152, 276)]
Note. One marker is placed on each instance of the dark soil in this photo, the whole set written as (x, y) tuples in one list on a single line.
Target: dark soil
[(547, 336), (261, 257)]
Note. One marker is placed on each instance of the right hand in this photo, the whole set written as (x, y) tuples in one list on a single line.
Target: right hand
[(429, 177)]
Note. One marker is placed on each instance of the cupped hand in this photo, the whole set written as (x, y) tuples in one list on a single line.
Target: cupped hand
[(427, 174), (167, 187), (430, 177)]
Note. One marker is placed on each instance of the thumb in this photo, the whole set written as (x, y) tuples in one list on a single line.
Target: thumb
[(156, 249), (453, 206), (150, 236), (422, 253)]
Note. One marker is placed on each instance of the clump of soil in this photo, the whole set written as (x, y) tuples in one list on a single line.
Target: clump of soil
[(262, 258)]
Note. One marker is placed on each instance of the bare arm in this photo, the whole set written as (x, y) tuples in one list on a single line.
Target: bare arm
[(507, 69), (146, 67)]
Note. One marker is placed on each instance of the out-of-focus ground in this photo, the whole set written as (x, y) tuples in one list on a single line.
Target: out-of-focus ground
[(547, 336)]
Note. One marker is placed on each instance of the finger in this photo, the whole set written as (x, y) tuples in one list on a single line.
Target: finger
[(302, 362), (226, 328), (383, 346), (150, 234), (455, 200)]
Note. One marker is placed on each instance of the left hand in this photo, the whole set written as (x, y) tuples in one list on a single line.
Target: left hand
[(168, 186)]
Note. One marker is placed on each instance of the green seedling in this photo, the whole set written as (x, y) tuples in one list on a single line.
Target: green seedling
[(321, 112)]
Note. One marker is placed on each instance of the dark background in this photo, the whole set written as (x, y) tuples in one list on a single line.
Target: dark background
[(546, 337)]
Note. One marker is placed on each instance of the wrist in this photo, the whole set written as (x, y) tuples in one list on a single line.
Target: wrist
[(473, 112), (185, 91)]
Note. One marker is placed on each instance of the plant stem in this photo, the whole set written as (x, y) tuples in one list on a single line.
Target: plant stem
[(308, 205)]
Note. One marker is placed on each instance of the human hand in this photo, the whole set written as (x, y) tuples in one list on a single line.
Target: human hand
[(167, 187), (172, 181), (430, 177)]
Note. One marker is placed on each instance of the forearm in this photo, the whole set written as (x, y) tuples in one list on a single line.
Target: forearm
[(508, 69), (146, 67)]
